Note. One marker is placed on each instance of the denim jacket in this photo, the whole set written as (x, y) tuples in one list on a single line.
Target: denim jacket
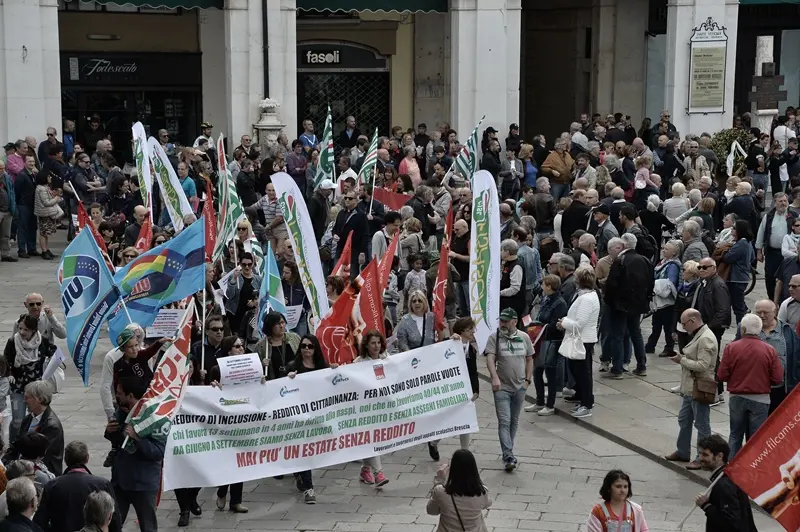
[(740, 257)]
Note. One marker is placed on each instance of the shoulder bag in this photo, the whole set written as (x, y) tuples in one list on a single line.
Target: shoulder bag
[(704, 391), (458, 514), (572, 346)]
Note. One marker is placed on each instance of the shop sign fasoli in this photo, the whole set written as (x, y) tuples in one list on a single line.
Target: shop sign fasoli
[(323, 58)]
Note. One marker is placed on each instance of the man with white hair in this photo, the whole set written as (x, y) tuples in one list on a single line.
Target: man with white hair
[(782, 337), (616, 207), (580, 142), (750, 367), (49, 326), (22, 500), (775, 224), (694, 248), (789, 311)]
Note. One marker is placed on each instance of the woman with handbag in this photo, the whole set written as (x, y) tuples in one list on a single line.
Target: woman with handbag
[(698, 387), (47, 210), (667, 273), (580, 326), (460, 500), (547, 361)]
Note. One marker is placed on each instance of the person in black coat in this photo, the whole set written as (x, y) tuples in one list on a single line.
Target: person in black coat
[(62, 501), (743, 206), (656, 223), (574, 216), (350, 219), (319, 208), (349, 135), (491, 159), (20, 515), (422, 203)]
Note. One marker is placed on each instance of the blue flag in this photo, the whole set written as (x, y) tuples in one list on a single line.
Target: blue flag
[(270, 296), (88, 294), (165, 274)]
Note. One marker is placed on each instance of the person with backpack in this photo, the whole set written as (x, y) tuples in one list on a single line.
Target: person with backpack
[(645, 244)]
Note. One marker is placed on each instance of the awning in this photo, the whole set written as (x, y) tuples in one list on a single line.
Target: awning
[(407, 6), (160, 4), (762, 2)]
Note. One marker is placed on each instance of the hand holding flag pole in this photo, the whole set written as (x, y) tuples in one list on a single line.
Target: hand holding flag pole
[(708, 490)]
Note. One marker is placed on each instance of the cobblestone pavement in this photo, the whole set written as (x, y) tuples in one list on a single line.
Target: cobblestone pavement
[(561, 463)]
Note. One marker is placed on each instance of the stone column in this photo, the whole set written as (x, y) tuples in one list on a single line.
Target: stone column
[(764, 54), (282, 43), (431, 69), (30, 84), (682, 17), (244, 67), (215, 95), (485, 63)]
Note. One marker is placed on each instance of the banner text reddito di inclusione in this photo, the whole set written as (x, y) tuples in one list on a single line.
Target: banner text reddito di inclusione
[(427, 393)]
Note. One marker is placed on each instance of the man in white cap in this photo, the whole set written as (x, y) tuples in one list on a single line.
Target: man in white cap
[(319, 207)]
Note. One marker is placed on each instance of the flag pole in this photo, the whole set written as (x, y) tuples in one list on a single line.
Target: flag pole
[(708, 490), (202, 332)]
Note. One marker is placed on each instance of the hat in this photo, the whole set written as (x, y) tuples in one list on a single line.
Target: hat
[(127, 334), (513, 126), (206, 125), (327, 184), (9, 146), (508, 314), (603, 209), (423, 126), (578, 233), (490, 129)]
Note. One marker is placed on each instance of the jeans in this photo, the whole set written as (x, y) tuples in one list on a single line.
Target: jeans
[(236, 493), (186, 497), (692, 412), (746, 417), (507, 406), (772, 260), (18, 412), (736, 291), (5, 233), (26, 233), (306, 480), (552, 382), (582, 372), (559, 191), (144, 502), (663, 319), (776, 397), (621, 323), (462, 289)]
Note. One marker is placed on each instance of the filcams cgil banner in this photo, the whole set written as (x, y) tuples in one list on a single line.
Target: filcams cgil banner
[(320, 418)]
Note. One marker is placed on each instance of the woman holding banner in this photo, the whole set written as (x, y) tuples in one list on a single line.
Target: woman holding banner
[(309, 358), (373, 347), (295, 297), (278, 347)]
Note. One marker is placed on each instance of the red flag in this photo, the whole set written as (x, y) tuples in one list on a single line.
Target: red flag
[(211, 223), (767, 468), (334, 331), (342, 268), (385, 267), (392, 200), (368, 314), (440, 286), (448, 226), (85, 221), (145, 236)]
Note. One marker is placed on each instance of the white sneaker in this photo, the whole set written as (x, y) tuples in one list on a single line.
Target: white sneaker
[(604, 366), (626, 367), (568, 391), (675, 389), (533, 408), (582, 412), (546, 411), (574, 408)]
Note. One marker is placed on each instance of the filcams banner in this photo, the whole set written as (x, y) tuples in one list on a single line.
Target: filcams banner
[(320, 418)]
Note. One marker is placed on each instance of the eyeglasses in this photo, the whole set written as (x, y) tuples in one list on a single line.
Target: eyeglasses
[(160, 242), (129, 256), (238, 344), (215, 329), (246, 264), (708, 267), (349, 198), (51, 134), (35, 304), (306, 346), (241, 229), (687, 321)]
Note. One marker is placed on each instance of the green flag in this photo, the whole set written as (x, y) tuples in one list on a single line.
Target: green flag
[(231, 210), (370, 161), (466, 162), (325, 163)]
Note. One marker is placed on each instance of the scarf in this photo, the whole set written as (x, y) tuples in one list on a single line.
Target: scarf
[(27, 351)]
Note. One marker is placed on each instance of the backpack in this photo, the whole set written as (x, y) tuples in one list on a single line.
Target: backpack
[(646, 245)]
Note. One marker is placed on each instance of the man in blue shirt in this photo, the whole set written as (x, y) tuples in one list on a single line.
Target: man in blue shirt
[(308, 138)]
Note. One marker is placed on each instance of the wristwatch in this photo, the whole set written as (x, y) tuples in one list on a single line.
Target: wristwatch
[(528, 380)]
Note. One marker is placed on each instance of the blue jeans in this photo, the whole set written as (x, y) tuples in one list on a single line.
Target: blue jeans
[(462, 289), (692, 412), (622, 324), (26, 231), (736, 291), (507, 406), (559, 191), (746, 417)]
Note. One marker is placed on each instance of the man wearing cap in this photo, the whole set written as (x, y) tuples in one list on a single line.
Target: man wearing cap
[(605, 229), (513, 140), (509, 359), (205, 130), (319, 207)]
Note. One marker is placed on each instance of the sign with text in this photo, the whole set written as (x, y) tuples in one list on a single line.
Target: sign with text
[(240, 369), (707, 68), (166, 324), (319, 418)]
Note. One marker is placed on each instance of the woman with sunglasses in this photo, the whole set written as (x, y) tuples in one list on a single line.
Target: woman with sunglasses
[(128, 255), (158, 239), (309, 358), (230, 346), (240, 290), (373, 347)]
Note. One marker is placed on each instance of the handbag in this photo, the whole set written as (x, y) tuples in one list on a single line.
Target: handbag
[(704, 391), (572, 346), (59, 213), (547, 356)]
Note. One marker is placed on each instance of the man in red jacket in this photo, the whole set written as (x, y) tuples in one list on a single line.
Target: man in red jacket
[(750, 366)]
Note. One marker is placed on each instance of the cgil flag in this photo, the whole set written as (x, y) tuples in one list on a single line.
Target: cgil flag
[(231, 210), (210, 220), (484, 258), (270, 296), (166, 274), (325, 164), (342, 266), (370, 162), (141, 154), (767, 468), (368, 310), (466, 162), (392, 200), (385, 267), (88, 294), (145, 237), (175, 200), (304, 242), (152, 414)]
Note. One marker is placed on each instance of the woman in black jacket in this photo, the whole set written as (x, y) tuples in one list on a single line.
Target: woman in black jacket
[(547, 363), (464, 330), (187, 497)]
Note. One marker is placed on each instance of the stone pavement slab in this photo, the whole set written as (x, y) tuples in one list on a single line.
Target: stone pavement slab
[(562, 464)]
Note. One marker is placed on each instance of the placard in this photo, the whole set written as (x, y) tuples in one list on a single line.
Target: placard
[(240, 369), (166, 324), (707, 68)]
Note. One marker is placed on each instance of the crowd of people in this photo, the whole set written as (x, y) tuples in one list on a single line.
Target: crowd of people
[(609, 226)]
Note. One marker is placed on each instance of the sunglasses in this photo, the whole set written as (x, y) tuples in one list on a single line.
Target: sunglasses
[(306, 346), (51, 134), (704, 267), (129, 256), (35, 304), (215, 329), (247, 264), (238, 344), (160, 241), (241, 228)]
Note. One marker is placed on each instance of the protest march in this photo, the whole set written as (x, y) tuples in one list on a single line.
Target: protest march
[(324, 303)]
